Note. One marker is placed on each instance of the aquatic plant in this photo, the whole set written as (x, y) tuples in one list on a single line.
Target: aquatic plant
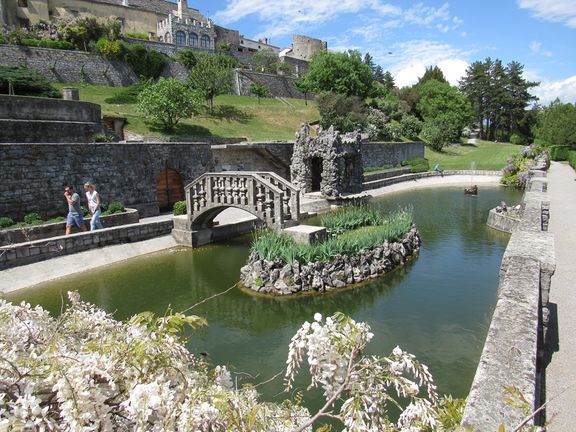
[(358, 227)]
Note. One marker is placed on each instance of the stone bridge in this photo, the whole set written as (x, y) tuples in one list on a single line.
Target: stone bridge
[(266, 195)]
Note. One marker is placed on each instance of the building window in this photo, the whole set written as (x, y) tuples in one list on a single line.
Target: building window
[(23, 3), (205, 41), (193, 39), (168, 38), (180, 38)]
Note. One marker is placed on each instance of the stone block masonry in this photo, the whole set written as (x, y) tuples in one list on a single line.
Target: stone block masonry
[(40, 250), (69, 66), (32, 176), (378, 154), (518, 336)]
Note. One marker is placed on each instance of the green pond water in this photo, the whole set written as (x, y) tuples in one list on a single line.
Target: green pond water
[(437, 307)]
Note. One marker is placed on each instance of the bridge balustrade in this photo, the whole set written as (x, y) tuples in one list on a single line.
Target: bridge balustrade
[(263, 194)]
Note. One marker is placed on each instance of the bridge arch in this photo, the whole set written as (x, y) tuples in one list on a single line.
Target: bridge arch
[(265, 195)]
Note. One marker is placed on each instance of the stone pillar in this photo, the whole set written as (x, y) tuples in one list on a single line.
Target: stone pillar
[(70, 93)]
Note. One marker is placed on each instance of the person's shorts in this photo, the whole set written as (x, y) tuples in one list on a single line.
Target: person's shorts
[(75, 219)]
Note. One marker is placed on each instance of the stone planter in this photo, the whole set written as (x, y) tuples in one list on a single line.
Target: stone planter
[(278, 278), (39, 232)]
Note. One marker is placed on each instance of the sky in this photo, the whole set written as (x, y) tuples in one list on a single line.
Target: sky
[(405, 37)]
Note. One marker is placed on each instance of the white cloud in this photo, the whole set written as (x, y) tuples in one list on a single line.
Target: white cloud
[(536, 49), (548, 90), (563, 11), (414, 56), (288, 16)]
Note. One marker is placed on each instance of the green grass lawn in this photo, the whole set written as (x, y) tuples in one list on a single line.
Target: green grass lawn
[(486, 154), (234, 116)]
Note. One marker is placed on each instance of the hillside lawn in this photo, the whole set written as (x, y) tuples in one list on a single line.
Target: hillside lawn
[(234, 116), (271, 120), (487, 155)]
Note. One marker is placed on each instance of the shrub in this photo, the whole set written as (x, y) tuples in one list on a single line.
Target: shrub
[(440, 131), (113, 207), (559, 153), (145, 63), (518, 139), (179, 208), (26, 82), (572, 159), (33, 219), (417, 165), (6, 222), (186, 58), (137, 35), (410, 127), (345, 113), (110, 49)]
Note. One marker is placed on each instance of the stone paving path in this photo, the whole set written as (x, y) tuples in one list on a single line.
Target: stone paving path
[(561, 372)]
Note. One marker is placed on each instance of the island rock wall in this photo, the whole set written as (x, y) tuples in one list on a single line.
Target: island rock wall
[(278, 278)]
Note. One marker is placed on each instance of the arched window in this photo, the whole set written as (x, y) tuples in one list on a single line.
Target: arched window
[(193, 39), (205, 41), (180, 38), (168, 38)]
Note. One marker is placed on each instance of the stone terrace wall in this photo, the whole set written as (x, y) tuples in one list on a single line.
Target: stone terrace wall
[(277, 85), (33, 119), (69, 66), (377, 154), (32, 176), (277, 156), (254, 156), (518, 332)]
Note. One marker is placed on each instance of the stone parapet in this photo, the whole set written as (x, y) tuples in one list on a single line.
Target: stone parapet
[(518, 334), (40, 250)]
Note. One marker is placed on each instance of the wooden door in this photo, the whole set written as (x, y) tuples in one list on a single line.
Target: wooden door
[(169, 189)]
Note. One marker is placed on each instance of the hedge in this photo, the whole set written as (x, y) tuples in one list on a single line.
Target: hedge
[(559, 152)]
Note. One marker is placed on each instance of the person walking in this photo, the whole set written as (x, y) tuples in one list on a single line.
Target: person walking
[(93, 200), (75, 216)]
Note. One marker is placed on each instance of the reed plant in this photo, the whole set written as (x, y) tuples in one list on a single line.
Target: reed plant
[(274, 246)]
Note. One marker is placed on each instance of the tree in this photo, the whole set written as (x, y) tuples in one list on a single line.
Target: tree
[(433, 73), (265, 60), (557, 124), (303, 86), (167, 102), (345, 113), (440, 98), (258, 90), (388, 81), (211, 76), (343, 73), (499, 96)]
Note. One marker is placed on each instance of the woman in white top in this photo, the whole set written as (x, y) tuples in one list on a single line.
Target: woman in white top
[(93, 199)]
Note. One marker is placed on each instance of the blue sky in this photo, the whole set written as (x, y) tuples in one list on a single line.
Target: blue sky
[(406, 36)]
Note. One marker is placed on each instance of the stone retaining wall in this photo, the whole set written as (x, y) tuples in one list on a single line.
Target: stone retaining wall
[(378, 154), (277, 85), (69, 66), (277, 278), (40, 250), (39, 232), (32, 176), (518, 333)]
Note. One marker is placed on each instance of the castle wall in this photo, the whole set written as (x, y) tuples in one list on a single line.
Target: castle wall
[(32, 176)]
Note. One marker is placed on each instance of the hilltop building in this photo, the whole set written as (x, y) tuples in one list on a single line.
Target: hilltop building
[(163, 21)]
